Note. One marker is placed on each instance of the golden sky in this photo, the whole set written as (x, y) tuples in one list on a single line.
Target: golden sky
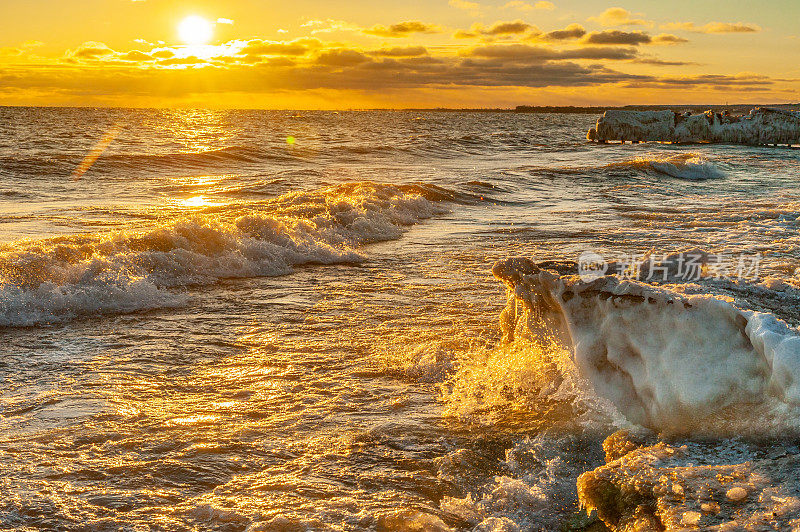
[(365, 54)]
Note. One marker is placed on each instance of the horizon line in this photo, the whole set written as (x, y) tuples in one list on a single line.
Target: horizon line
[(417, 109)]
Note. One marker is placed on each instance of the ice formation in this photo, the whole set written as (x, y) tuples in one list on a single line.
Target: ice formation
[(667, 487), (666, 360), (762, 126)]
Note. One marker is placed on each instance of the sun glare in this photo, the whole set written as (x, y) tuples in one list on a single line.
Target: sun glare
[(195, 30)]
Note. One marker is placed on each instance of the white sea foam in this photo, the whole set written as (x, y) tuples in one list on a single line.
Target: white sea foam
[(535, 486), (666, 360), (58, 279)]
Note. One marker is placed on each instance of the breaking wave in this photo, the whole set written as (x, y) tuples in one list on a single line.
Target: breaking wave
[(689, 166), (61, 278)]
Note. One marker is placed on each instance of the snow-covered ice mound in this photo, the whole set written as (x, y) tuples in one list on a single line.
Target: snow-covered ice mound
[(667, 360), (762, 126)]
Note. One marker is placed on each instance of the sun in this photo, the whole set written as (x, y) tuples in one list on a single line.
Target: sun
[(195, 30)]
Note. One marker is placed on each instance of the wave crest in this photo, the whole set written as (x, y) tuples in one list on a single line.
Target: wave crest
[(690, 166), (58, 279)]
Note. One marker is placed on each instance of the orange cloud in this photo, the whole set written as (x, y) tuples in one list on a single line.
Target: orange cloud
[(573, 31), (401, 51), (402, 29), (629, 38), (342, 57), (668, 38), (617, 16), (498, 29), (258, 47), (525, 6), (136, 55), (90, 50), (714, 27), (525, 52), (465, 5), (606, 37)]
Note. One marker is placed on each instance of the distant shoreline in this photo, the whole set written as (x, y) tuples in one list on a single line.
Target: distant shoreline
[(571, 109)]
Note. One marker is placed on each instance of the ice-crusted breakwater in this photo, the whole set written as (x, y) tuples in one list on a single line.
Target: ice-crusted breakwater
[(762, 126), (666, 360)]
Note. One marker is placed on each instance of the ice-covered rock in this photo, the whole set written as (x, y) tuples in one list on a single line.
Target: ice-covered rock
[(666, 360), (762, 126), (666, 487)]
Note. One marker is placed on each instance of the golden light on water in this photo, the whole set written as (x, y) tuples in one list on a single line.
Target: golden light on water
[(198, 201), (195, 30)]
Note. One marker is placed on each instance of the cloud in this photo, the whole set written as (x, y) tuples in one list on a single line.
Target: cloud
[(402, 29), (21, 49), (342, 57), (508, 28), (564, 58), (573, 31), (224, 21), (714, 27), (498, 29), (463, 34), (369, 75), (606, 37), (182, 61), (668, 38), (525, 6), (401, 51), (464, 4), (720, 82), (136, 55), (661, 62), (330, 26), (278, 62), (529, 53), (10, 51), (617, 16), (159, 73), (474, 8), (90, 50), (257, 47), (629, 38)]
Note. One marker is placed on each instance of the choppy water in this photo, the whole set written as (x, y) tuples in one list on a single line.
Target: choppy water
[(213, 328)]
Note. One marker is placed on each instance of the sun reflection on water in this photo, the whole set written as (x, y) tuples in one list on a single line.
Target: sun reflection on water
[(198, 201)]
